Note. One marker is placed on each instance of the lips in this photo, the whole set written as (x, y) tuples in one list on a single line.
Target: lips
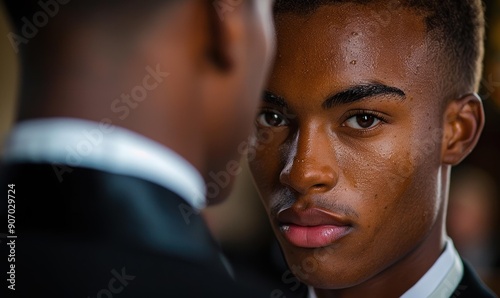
[(312, 228)]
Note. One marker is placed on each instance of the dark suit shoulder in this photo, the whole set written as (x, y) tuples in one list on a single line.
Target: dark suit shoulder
[(98, 234), (106, 207), (81, 269), (471, 285)]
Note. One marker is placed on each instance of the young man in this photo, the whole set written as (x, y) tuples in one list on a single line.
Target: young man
[(369, 106), (126, 108)]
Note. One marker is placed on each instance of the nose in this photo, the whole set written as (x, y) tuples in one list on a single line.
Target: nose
[(311, 165)]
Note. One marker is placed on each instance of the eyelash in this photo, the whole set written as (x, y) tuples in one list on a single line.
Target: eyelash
[(382, 117), (354, 113), (272, 111)]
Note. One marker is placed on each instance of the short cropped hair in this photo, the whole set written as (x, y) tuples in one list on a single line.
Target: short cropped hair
[(457, 25)]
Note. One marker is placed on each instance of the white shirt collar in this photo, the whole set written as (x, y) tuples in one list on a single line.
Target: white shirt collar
[(102, 146), (440, 281)]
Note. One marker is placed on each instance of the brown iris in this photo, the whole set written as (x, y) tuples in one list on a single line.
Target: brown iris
[(365, 121)]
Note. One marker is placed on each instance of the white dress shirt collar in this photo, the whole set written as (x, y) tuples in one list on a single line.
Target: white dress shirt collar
[(101, 146), (441, 280)]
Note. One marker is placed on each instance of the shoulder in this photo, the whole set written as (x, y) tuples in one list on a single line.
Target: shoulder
[(62, 268), (472, 286)]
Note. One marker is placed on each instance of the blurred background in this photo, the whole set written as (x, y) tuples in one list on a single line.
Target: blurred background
[(241, 225)]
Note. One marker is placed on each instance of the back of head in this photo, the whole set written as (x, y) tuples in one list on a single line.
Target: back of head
[(31, 17), (95, 59), (26, 8), (87, 46)]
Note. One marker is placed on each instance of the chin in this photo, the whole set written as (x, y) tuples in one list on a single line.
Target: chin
[(328, 278), (319, 269)]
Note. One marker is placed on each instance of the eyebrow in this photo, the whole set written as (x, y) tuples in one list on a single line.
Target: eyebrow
[(350, 95), (360, 92), (274, 99)]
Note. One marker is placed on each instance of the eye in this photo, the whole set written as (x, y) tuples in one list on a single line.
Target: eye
[(362, 121), (271, 119)]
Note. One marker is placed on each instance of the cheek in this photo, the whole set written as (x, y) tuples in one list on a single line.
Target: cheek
[(403, 164), (396, 189), (263, 162), (377, 171)]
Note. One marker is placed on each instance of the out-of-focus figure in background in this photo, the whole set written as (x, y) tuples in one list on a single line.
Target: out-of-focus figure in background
[(472, 209)]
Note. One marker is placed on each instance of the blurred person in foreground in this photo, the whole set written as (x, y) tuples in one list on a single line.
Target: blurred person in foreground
[(368, 107), (125, 108)]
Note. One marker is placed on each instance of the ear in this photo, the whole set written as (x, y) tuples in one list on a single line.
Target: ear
[(464, 122), (226, 31)]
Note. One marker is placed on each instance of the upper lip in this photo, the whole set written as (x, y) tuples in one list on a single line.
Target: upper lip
[(311, 217)]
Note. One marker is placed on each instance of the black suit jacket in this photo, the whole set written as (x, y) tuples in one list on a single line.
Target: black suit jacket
[(471, 285), (96, 234)]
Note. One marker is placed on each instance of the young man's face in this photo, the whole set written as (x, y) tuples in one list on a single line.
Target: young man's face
[(349, 161)]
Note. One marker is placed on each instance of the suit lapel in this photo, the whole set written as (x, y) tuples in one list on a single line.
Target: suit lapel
[(471, 285)]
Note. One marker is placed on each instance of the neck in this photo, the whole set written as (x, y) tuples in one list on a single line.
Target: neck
[(124, 86), (395, 280)]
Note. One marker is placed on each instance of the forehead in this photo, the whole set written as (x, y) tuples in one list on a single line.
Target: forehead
[(346, 44)]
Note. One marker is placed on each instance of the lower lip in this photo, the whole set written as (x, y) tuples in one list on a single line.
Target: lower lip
[(313, 237)]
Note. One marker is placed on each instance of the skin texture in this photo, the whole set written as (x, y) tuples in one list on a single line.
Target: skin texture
[(388, 180), (217, 57)]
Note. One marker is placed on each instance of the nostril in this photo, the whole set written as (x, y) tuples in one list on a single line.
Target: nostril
[(319, 186)]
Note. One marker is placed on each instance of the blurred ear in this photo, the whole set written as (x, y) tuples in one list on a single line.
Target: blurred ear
[(226, 31), (464, 122)]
